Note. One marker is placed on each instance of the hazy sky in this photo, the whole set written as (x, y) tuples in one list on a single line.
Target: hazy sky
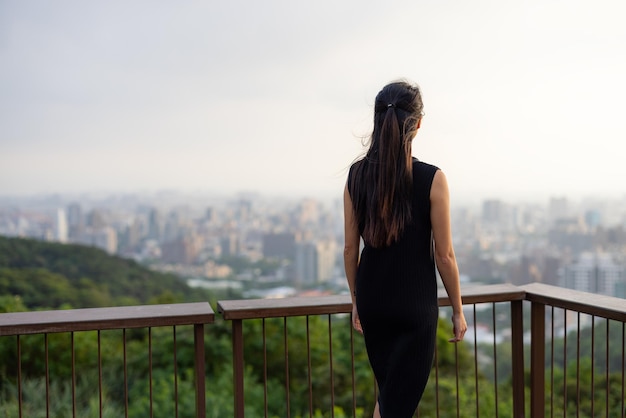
[(521, 97)]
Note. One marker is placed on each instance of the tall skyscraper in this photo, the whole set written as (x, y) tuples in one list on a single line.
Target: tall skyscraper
[(61, 229), (306, 263), (75, 221), (154, 225)]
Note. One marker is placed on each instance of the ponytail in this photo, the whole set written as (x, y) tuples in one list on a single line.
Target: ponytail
[(381, 184)]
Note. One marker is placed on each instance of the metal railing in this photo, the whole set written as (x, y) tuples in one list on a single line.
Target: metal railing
[(534, 350), (603, 314), (79, 324), (240, 311)]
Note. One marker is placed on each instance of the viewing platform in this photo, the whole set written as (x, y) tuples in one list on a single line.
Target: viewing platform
[(526, 354)]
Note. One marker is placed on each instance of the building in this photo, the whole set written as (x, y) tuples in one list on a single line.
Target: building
[(279, 245), (230, 245), (314, 262), (104, 238), (184, 250), (595, 273), (496, 216), (61, 228), (75, 220)]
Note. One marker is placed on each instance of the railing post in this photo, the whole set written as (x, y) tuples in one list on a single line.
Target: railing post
[(238, 367), (517, 342), (198, 338), (537, 359)]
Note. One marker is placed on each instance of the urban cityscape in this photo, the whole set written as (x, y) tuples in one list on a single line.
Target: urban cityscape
[(577, 244)]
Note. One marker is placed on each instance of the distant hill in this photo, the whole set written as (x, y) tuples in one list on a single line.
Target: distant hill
[(52, 275)]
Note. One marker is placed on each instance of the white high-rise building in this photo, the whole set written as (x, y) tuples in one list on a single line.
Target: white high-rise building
[(326, 258), (61, 229)]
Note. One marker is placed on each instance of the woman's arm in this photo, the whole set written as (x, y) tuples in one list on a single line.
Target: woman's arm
[(444, 251), (351, 252)]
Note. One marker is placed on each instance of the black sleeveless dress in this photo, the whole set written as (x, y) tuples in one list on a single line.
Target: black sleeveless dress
[(396, 299)]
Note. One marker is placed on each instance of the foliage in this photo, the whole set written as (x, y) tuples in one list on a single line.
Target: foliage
[(51, 275), (316, 363)]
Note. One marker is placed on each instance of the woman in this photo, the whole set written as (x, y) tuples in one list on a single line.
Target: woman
[(400, 207)]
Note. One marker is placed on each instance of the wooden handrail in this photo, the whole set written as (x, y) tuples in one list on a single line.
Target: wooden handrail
[(589, 303), (293, 306), (320, 305), (198, 314), (485, 294), (38, 322)]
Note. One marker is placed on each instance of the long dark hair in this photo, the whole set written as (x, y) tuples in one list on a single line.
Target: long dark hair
[(381, 183)]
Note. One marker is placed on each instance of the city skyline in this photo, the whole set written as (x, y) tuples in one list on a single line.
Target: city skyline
[(521, 100), (199, 200), (563, 243)]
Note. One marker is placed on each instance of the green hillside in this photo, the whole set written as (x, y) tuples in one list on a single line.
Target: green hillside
[(52, 275)]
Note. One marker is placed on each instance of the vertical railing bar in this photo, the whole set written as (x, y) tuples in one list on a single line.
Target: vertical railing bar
[(607, 353), (200, 374), (375, 390), (495, 355), (537, 359), (19, 375), (238, 398), (332, 373), (476, 360), (606, 371), (564, 363), (552, 362), (593, 361), (125, 355), (352, 367), (456, 364), (286, 366), (150, 369), (73, 355), (100, 388), (437, 379), (308, 366), (623, 361), (175, 371), (517, 350), (265, 407), (47, 366), (578, 363)]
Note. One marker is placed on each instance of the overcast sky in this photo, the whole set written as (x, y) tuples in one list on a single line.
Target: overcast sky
[(521, 98)]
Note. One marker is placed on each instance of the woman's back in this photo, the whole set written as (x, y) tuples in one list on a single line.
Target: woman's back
[(399, 280), (400, 208)]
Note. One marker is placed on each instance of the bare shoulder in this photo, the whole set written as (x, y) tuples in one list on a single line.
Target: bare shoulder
[(439, 188)]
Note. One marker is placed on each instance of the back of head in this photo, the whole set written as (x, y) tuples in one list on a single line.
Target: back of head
[(403, 99), (381, 184)]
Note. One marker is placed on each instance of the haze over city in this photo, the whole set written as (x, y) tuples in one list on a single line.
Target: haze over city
[(522, 99)]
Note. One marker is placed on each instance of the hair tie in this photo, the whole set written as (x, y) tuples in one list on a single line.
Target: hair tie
[(391, 105)]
